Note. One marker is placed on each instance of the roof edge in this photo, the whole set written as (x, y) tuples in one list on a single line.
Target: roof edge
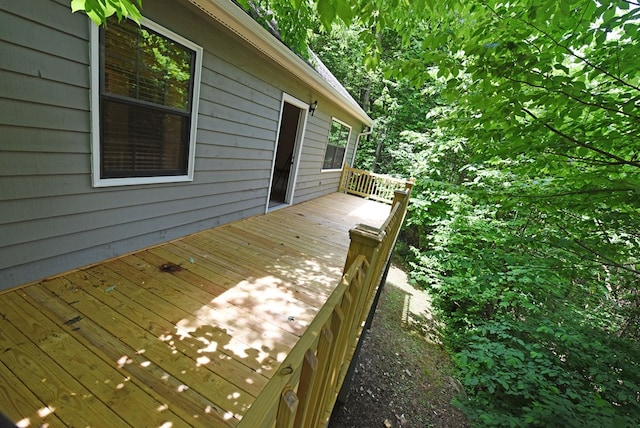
[(237, 20)]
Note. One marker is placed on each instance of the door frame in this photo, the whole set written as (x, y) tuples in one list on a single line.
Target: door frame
[(297, 148)]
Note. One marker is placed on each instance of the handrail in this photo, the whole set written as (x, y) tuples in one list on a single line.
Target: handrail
[(367, 184), (304, 390), (300, 367)]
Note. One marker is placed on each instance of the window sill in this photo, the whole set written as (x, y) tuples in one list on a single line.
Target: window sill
[(112, 182)]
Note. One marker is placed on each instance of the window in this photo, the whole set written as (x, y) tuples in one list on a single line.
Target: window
[(145, 93), (337, 145)]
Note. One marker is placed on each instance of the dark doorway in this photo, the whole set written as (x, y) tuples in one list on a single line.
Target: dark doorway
[(285, 154)]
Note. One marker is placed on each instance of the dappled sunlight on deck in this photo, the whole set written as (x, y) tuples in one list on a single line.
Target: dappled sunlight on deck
[(187, 333)]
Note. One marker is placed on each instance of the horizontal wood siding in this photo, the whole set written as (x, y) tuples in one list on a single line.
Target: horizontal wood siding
[(53, 220), (312, 181)]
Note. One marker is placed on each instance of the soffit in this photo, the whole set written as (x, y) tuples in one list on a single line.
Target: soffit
[(237, 20)]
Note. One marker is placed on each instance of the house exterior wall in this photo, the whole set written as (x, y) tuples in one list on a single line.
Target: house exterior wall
[(51, 217), (312, 181)]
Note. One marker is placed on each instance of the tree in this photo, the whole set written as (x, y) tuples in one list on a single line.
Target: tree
[(533, 261), (532, 255), (393, 102), (100, 10)]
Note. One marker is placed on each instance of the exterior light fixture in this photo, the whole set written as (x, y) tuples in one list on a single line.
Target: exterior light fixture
[(313, 107)]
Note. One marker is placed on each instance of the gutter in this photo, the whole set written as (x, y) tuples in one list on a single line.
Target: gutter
[(227, 13)]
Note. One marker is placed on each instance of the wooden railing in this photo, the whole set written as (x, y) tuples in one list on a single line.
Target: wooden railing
[(370, 185), (303, 392)]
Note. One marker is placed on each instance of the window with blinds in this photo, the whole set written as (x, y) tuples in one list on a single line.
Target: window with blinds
[(147, 81), (336, 146)]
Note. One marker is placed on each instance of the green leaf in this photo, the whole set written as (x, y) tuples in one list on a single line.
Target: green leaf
[(99, 10), (344, 11), (77, 5), (327, 12)]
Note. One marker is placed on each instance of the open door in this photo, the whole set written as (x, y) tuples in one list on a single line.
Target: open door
[(285, 163)]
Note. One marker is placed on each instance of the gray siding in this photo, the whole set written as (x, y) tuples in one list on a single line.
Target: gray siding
[(53, 220), (312, 181)]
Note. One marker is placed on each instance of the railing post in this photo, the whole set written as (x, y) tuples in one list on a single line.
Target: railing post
[(343, 176), (408, 185), (364, 240), (399, 196)]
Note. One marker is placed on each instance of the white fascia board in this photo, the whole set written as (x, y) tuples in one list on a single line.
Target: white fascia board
[(237, 20)]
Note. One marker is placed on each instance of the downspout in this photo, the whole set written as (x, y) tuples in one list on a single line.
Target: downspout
[(362, 134)]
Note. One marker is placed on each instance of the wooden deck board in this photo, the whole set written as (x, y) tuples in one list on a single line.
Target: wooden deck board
[(109, 384), (19, 398), (186, 404), (47, 379), (144, 310), (132, 343), (262, 261)]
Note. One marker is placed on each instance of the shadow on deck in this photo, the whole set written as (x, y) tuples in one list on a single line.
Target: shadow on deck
[(188, 333)]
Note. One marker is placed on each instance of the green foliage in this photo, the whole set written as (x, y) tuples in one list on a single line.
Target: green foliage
[(525, 214), (533, 335), (547, 376), (290, 20), (532, 254), (395, 105), (100, 10)]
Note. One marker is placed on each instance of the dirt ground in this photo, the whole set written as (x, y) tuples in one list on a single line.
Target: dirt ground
[(403, 375)]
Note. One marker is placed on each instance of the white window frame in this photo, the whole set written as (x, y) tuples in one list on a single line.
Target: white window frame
[(95, 111), (346, 147)]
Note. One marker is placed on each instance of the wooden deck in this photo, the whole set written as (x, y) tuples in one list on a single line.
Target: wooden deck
[(183, 334)]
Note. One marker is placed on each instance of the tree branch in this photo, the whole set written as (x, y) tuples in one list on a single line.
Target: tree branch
[(577, 192), (586, 161), (607, 260), (567, 49), (573, 97), (580, 143), (584, 59)]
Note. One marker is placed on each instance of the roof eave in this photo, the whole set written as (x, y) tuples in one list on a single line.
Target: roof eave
[(234, 18)]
